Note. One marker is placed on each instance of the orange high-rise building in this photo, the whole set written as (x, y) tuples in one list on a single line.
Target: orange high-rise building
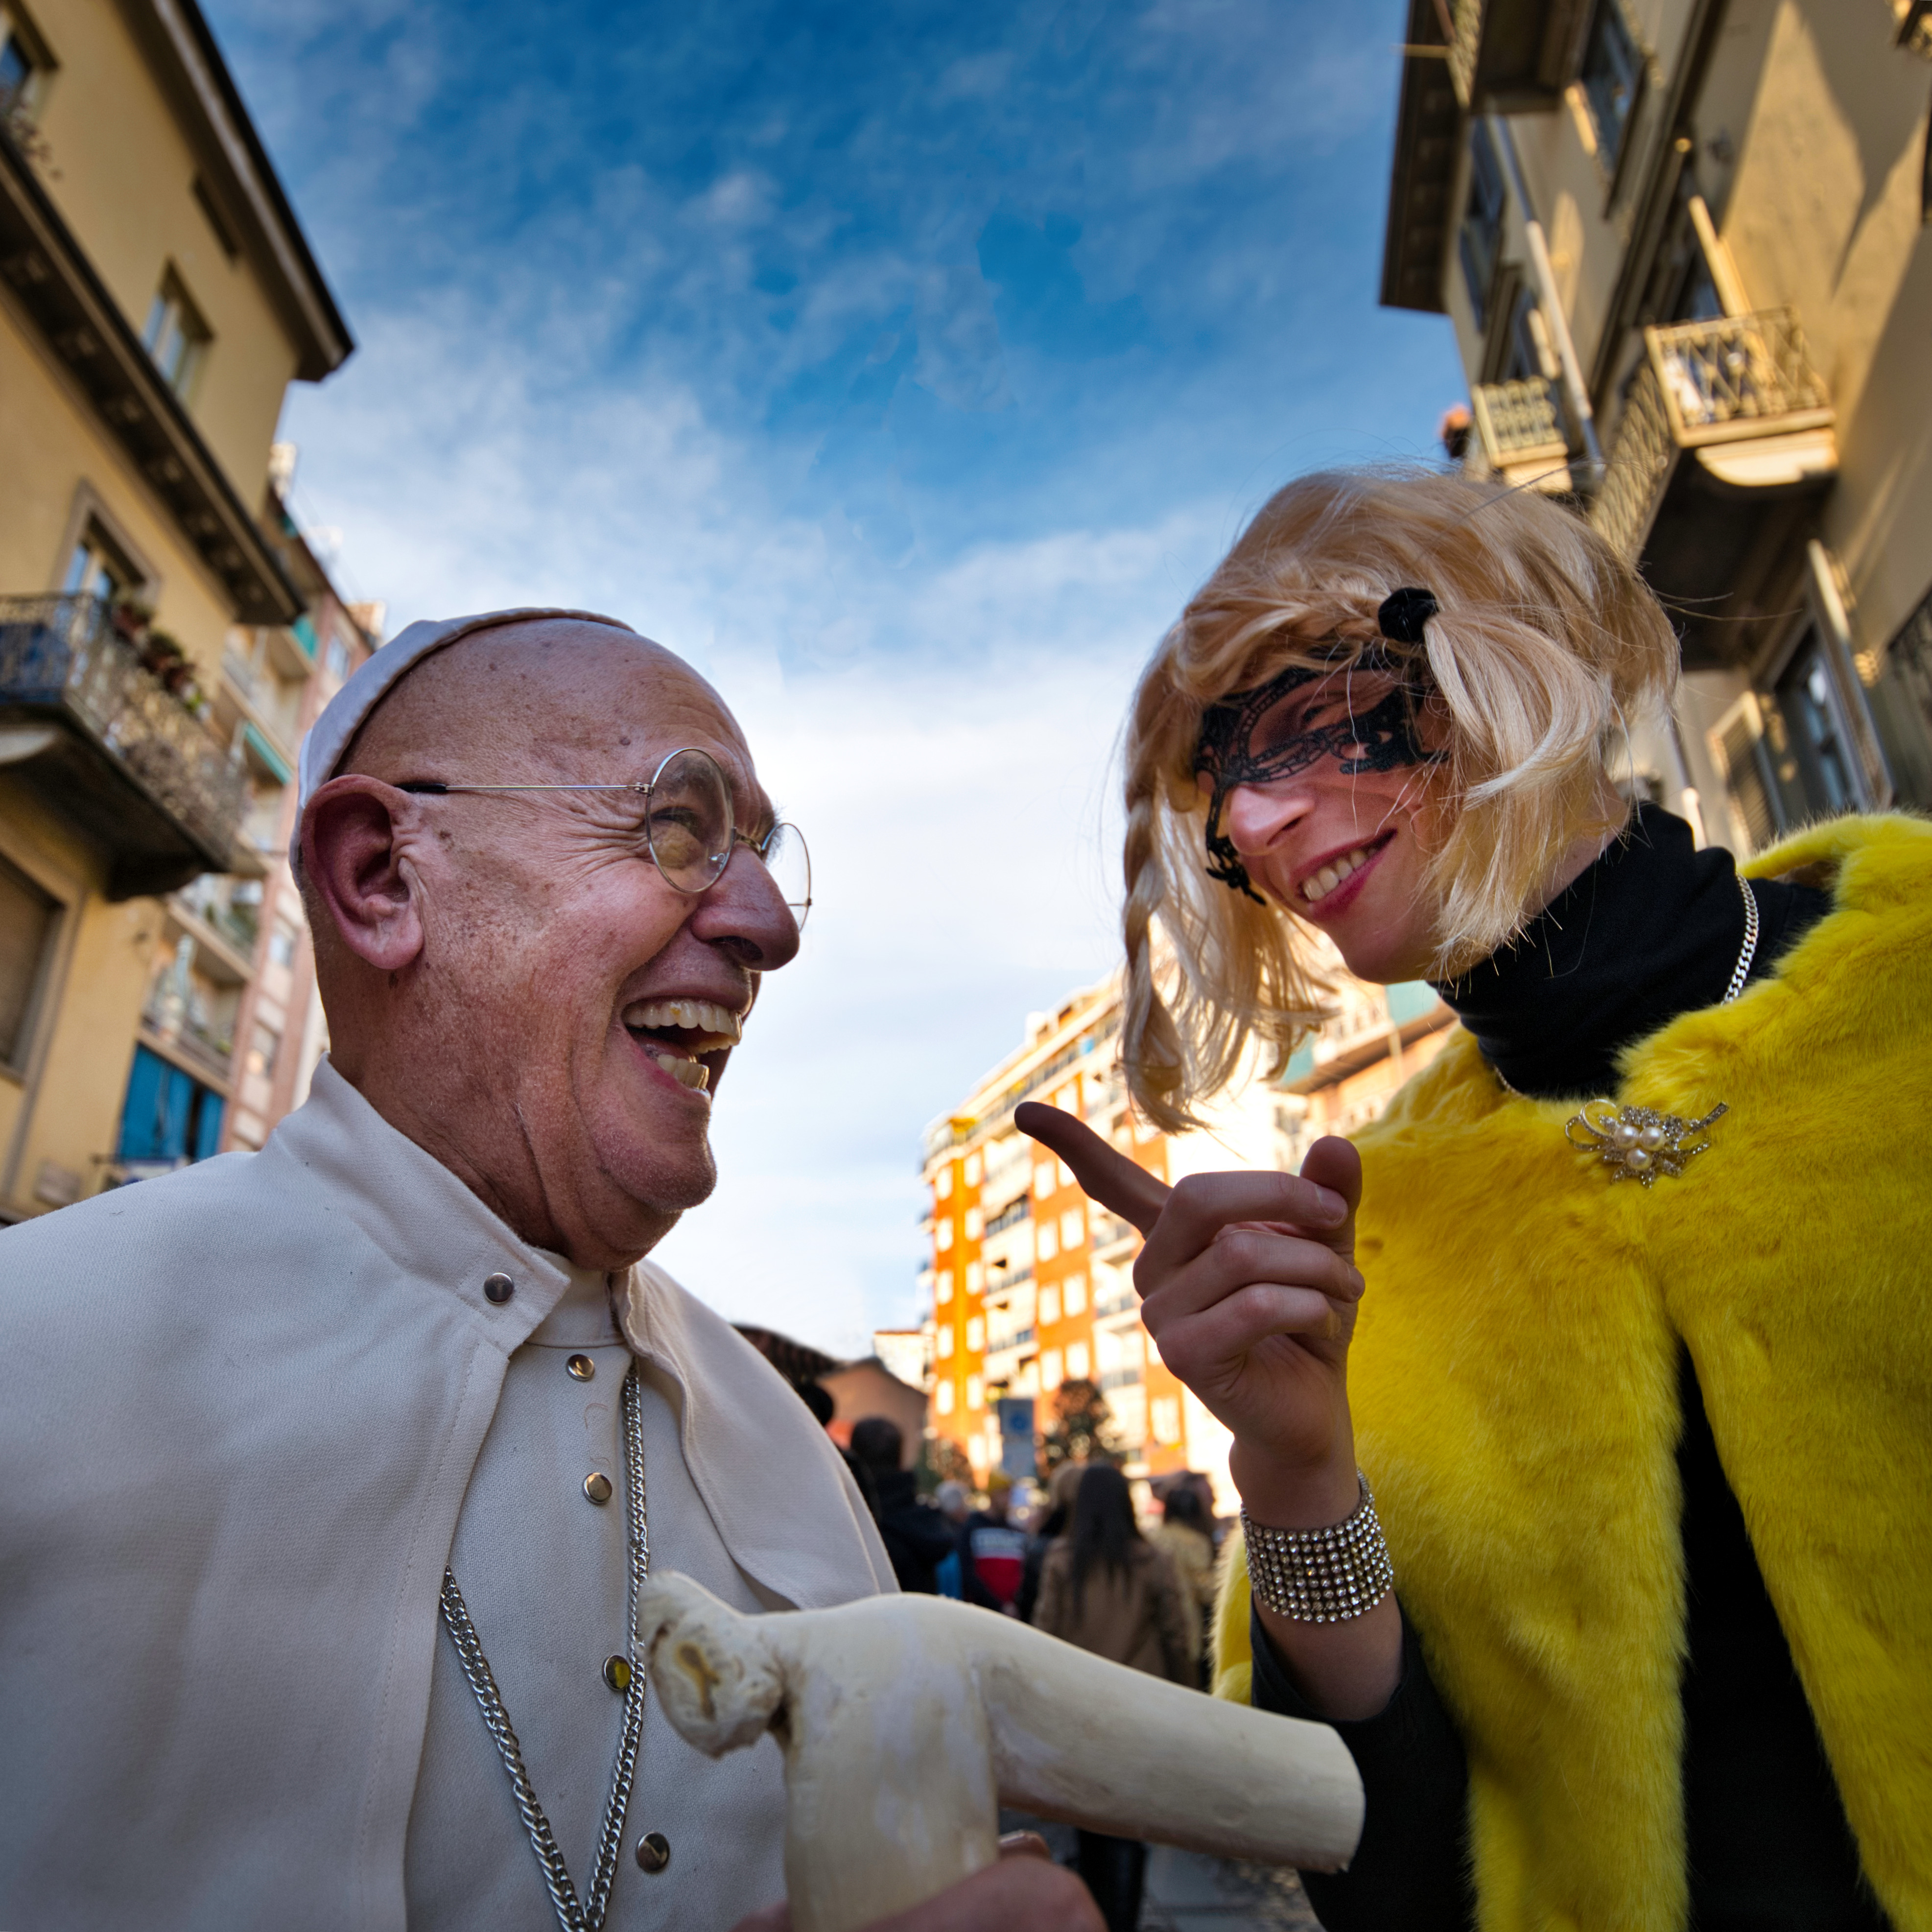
[(1031, 1285)]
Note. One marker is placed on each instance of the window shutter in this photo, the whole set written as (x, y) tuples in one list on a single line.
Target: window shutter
[(1737, 745), (26, 920)]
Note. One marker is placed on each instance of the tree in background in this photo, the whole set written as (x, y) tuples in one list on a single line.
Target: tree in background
[(1080, 1428), (942, 1460)]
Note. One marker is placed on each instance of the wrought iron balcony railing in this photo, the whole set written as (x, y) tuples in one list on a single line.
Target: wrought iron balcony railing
[(1724, 380), (145, 775), (1520, 424)]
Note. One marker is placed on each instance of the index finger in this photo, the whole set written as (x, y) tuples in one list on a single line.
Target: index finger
[(1318, 1204), (1105, 1175)]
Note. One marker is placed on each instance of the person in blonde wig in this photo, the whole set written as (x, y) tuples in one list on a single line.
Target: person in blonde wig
[(1622, 1303)]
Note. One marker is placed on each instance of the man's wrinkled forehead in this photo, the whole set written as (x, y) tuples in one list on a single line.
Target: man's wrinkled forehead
[(548, 695)]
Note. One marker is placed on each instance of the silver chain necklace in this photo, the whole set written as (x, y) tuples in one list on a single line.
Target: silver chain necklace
[(571, 1915), (1638, 1143)]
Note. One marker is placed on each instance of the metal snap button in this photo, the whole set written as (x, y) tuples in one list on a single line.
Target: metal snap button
[(498, 1287), (597, 1486), (582, 1367), (653, 1851), (617, 1672)]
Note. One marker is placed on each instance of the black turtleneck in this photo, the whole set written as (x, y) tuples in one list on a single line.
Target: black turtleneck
[(1651, 930)]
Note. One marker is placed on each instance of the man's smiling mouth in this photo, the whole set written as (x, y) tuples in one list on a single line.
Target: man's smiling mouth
[(675, 1032)]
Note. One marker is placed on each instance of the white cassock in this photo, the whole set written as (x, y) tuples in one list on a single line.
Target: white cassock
[(248, 1413)]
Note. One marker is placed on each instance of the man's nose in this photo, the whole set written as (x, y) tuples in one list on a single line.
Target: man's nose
[(746, 913), (1257, 815)]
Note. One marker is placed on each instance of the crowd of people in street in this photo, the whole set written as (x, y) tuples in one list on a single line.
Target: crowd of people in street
[(1077, 1562)]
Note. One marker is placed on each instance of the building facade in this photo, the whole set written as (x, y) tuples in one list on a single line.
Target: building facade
[(1682, 244), (157, 297), (1030, 1286), (233, 1026)]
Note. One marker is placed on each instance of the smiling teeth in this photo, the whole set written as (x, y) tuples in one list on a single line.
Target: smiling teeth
[(720, 1026), (686, 1073), (1332, 875)]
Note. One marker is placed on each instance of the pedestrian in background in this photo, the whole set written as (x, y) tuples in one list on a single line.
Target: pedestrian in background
[(993, 1552), (1183, 1533), (1108, 1589), (916, 1537), (954, 1503), (1057, 1515)]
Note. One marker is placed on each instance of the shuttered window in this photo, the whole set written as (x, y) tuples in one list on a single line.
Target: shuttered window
[(26, 925)]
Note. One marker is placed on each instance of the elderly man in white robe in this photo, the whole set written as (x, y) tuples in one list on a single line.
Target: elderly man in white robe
[(328, 1471)]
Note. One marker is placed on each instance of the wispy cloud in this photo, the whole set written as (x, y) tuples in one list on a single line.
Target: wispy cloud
[(905, 368)]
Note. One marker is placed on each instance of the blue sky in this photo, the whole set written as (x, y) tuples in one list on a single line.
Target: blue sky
[(905, 366)]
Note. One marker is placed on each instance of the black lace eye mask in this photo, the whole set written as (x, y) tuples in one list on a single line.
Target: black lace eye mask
[(1257, 737)]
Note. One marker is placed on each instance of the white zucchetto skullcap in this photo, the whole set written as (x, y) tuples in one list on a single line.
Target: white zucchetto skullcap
[(328, 737)]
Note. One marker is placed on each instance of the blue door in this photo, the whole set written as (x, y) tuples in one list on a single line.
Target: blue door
[(169, 1116)]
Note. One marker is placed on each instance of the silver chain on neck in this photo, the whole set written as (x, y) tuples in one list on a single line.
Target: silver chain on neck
[(1740, 973), (571, 1915)]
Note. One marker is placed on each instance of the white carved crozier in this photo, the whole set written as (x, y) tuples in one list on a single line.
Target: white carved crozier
[(906, 1721)]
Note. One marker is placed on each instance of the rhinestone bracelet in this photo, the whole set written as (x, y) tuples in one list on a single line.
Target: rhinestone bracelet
[(1325, 1576)]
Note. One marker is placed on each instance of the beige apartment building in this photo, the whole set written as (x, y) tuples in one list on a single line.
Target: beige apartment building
[(1683, 246), (1030, 1286), (157, 297)]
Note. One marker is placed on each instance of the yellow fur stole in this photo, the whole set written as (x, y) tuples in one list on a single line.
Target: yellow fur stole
[(1513, 1383)]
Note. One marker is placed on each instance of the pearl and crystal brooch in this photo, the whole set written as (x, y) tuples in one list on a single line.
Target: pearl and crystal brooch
[(1635, 1143)]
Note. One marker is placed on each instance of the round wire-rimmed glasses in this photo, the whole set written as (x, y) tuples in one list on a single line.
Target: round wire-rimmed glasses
[(688, 828)]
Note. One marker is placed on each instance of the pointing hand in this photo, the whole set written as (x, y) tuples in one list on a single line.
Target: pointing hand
[(1249, 1287)]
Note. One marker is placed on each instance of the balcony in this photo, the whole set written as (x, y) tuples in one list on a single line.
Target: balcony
[(1718, 536), (111, 748), (1519, 426), (1512, 56)]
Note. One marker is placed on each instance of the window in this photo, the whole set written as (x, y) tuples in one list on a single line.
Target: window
[(1164, 1414), (1049, 1370), (1814, 713), (1046, 1242), (944, 1342), (168, 1119), (1612, 70), (942, 1235), (1049, 1305), (1073, 1291), (942, 1183), (1066, 1174), (263, 1051), (338, 659), (942, 1287), (974, 1393), (975, 1277), (973, 1224), (976, 1338), (972, 1170), (24, 66), (96, 568), (1479, 241), (175, 337), (27, 917), (943, 1395), (282, 943), (1079, 1366), (1072, 1229)]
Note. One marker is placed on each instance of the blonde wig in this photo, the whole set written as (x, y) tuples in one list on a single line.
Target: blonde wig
[(1545, 647)]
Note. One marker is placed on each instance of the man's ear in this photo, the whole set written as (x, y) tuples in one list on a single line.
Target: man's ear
[(354, 835)]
